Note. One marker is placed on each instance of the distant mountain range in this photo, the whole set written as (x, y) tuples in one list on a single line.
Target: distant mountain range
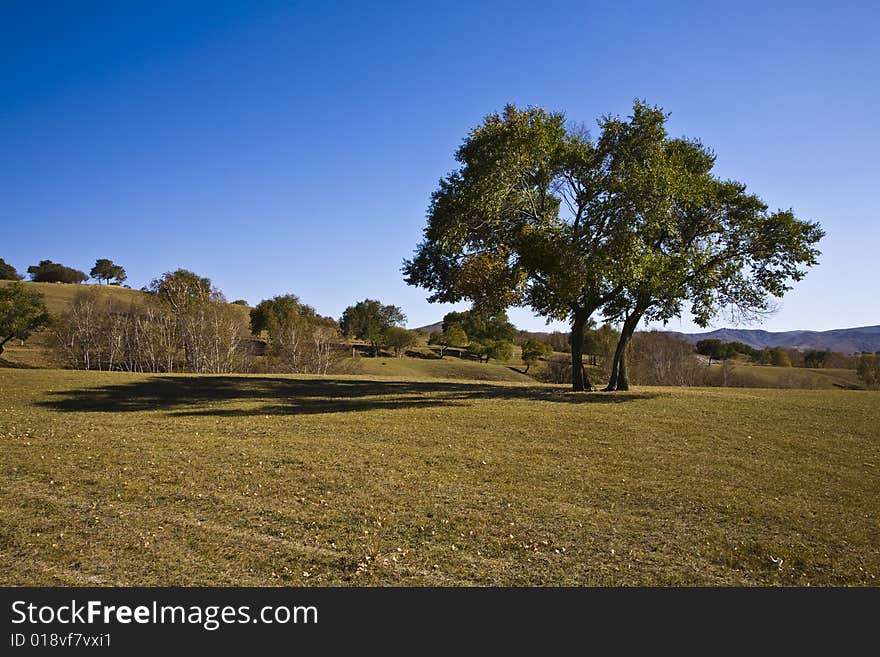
[(847, 341)]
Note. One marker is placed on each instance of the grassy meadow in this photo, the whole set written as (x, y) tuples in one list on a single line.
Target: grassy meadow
[(124, 479)]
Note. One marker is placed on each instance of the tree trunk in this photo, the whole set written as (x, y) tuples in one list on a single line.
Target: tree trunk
[(615, 364), (619, 379), (622, 379), (3, 343), (579, 380)]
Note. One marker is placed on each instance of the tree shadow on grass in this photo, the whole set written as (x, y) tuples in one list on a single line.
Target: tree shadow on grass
[(211, 395)]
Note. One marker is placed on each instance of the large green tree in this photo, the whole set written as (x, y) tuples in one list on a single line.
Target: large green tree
[(527, 219), (369, 320), (632, 225), (22, 312)]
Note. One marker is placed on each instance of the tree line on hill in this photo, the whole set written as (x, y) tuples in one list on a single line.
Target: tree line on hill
[(630, 226), (183, 324), (47, 271)]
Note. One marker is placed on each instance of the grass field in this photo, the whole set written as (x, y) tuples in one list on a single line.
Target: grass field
[(449, 367), (120, 479)]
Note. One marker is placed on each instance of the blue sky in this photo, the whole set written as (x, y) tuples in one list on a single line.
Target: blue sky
[(292, 147)]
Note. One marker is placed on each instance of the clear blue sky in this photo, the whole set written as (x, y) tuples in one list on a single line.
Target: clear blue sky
[(293, 147)]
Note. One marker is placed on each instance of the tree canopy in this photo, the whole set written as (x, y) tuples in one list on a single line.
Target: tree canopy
[(8, 272), (534, 350), (52, 272), (368, 320), (399, 338), (182, 289), (22, 311), (273, 315), (631, 225), (106, 270), (452, 336)]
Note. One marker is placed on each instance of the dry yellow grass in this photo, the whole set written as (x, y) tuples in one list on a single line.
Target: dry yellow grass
[(111, 478)]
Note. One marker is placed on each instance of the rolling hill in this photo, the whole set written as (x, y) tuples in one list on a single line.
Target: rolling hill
[(847, 341)]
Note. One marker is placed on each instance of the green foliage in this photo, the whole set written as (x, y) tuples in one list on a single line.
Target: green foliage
[(600, 341), (106, 270), (398, 339), (698, 240), (716, 349), (481, 326), (369, 320), (534, 350), (21, 312), (746, 350), (488, 349), (632, 224), (520, 222), (300, 340), (52, 272), (868, 370), (183, 288), (816, 358), (8, 272), (452, 336), (275, 314)]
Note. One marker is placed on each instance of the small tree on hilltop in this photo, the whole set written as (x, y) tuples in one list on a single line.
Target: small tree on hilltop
[(21, 312), (369, 320), (105, 270)]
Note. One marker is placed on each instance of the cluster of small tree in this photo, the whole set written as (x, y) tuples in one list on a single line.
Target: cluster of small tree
[(47, 271), (483, 336), (631, 226), (718, 350), (299, 340), (184, 325), (452, 336), (378, 325), (52, 272)]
